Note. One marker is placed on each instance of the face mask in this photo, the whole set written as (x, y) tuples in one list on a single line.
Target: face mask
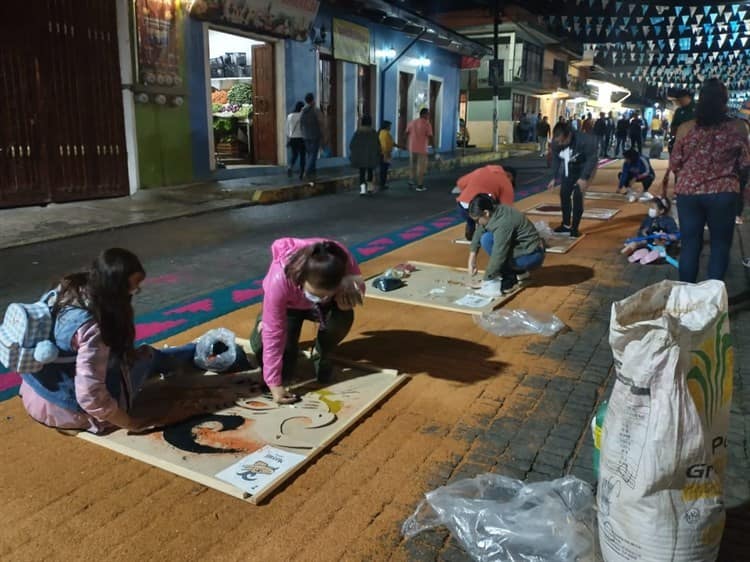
[(653, 213), (315, 299)]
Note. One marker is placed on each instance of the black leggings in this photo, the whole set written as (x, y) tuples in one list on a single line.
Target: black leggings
[(298, 150), (365, 175)]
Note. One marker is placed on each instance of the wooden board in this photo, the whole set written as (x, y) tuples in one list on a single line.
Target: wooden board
[(436, 286), (203, 446), (555, 210), (608, 195), (561, 244)]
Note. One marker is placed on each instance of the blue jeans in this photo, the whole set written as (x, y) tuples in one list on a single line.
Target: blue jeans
[(512, 265), (470, 224), (717, 210), (312, 146)]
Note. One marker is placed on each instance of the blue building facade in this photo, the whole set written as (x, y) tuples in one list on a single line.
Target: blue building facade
[(425, 75)]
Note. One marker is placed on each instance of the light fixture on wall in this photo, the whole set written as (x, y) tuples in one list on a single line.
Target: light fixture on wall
[(423, 62), (385, 53), (317, 35)]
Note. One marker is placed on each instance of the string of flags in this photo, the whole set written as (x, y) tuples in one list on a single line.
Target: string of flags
[(662, 45)]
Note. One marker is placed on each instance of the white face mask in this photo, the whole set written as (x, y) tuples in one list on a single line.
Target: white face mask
[(653, 213), (315, 299)]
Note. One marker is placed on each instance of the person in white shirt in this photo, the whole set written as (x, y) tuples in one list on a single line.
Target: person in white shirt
[(295, 142)]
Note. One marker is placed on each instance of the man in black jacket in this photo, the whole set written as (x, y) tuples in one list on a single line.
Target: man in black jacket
[(574, 160), (622, 134), (600, 130), (636, 133)]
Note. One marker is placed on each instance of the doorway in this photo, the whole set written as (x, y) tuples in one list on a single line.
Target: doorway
[(436, 107), (243, 101), (55, 147), (364, 93), (329, 103), (405, 82)]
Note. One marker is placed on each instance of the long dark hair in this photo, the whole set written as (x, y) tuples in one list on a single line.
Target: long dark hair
[(480, 204), (104, 289), (711, 108), (322, 264), (298, 107)]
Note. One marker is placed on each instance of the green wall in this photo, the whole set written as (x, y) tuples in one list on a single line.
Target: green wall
[(164, 144)]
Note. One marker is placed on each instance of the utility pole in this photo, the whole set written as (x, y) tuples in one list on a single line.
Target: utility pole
[(495, 85)]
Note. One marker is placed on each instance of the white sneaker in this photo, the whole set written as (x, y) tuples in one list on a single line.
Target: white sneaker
[(523, 276), (632, 198), (645, 197), (363, 189)]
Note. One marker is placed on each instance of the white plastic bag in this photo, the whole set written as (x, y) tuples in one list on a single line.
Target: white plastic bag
[(544, 229), (509, 322), (496, 518), (664, 439), (206, 356)]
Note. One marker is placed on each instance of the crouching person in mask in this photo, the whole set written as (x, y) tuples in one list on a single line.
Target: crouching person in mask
[(309, 279)]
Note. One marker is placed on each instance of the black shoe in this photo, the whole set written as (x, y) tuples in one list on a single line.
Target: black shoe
[(574, 233), (508, 285), (562, 229), (324, 372)]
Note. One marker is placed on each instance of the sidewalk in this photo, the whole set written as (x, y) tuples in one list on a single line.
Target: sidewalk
[(30, 225)]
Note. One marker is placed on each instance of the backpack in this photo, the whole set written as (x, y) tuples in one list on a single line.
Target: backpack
[(25, 335), (309, 123)]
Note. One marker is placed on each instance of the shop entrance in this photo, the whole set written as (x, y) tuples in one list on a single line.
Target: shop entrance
[(405, 80), (61, 119), (243, 101)]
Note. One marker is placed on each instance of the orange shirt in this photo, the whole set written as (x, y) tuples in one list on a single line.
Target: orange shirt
[(487, 179)]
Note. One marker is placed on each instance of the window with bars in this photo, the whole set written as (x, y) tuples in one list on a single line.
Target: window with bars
[(532, 63), (519, 100)]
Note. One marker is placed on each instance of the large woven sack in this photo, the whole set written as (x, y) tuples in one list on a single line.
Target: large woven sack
[(664, 440)]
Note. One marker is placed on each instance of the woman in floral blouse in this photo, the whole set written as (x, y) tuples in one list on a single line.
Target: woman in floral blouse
[(710, 154)]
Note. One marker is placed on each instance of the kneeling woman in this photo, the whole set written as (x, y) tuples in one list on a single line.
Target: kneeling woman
[(510, 239), (309, 279), (99, 371)]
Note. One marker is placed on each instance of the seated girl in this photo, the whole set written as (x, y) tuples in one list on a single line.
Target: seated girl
[(657, 229)]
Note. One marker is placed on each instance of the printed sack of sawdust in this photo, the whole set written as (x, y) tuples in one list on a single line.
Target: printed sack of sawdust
[(664, 440)]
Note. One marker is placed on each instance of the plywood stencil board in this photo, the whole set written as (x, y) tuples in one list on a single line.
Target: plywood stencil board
[(257, 444), (607, 195), (561, 244), (552, 209), (438, 286)]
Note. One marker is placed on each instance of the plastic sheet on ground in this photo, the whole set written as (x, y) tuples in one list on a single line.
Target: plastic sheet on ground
[(496, 518), (510, 322), (216, 350)]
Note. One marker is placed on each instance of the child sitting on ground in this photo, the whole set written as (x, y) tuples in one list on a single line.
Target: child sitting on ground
[(657, 229)]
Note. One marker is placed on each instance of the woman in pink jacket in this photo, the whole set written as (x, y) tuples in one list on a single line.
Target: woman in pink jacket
[(309, 279)]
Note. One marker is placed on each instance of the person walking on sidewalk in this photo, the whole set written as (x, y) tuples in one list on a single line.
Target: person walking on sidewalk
[(600, 130), (309, 279), (364, 153), (621, 132), (542, 136), (296, 142), (510, 239), (708, 161), (610, 133), (312, 123), (386, 152), (419, 135), (635, 131), (497, 181), (574, 160)]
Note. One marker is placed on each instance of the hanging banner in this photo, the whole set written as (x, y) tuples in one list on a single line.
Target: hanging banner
[(351, 42), (159, 37), (468, 63), (281, 18)]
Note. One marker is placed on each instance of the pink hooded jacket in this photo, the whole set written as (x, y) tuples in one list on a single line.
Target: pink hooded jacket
[(281, 294)]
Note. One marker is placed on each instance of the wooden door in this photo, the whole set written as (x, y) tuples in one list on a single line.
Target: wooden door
[(264, 105), (61, 125), (434, 117), (329, 101), (404, 84), (364, 92), (23, 178)]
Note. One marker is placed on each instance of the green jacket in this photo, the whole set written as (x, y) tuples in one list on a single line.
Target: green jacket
[(515, 235)]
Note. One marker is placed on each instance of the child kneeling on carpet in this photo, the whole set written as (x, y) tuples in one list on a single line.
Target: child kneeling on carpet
[(309, 279), (95, 373), (658, 229), (509, 238)]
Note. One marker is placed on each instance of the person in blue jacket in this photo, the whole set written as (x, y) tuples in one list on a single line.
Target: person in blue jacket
[(636, 168)]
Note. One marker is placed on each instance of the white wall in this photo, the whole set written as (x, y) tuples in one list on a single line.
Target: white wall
[(220, 43)]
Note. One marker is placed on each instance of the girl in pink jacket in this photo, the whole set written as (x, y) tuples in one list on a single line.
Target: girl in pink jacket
[(309, 279)]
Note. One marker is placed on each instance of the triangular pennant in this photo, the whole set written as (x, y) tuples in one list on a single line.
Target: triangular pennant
[(693, 9)]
